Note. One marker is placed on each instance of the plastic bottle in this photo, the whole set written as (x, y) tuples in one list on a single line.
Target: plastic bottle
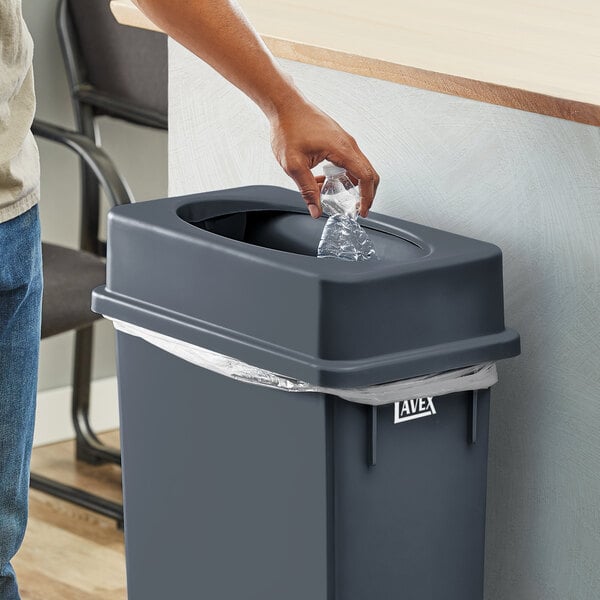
[(342, 237), (338, 195)]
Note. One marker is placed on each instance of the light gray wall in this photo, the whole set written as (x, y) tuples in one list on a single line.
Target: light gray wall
[(140, 154), (530, 184)]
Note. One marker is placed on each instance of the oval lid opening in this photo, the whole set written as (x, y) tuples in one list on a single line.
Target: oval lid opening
[(294, 232)]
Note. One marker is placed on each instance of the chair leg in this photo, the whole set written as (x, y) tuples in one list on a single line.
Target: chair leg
[(89, 448), (105, 507)]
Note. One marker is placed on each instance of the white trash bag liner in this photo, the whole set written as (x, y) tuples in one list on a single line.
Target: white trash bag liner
[(477, 377)]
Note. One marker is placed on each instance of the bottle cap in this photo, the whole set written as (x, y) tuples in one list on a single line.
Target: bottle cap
[(331, 170)]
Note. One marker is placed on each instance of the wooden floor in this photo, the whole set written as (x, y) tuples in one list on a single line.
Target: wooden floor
[(70, 553)]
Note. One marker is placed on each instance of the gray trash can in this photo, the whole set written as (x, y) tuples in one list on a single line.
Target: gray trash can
[(234, 491)]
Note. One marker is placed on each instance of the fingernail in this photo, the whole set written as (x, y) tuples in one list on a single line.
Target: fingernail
[(313, 210)]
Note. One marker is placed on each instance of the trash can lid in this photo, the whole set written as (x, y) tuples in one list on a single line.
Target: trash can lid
[(235, 271)]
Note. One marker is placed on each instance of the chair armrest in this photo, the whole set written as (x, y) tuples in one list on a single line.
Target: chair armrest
[(115, 187)]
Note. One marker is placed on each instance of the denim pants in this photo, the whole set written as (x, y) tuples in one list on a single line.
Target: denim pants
[(20, 318)]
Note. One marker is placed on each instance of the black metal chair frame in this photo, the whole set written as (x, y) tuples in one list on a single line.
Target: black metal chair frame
[(97, 171), (117, 192)]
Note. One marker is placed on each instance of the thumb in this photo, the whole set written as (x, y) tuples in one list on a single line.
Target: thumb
[(309, 188)]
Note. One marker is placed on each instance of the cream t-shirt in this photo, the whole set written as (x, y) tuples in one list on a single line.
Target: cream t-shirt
[(19, 161)]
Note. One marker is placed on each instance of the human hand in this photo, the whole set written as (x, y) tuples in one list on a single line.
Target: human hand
[(302, 136)]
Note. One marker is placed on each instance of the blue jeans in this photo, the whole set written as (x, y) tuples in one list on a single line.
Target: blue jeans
[(20, 318)]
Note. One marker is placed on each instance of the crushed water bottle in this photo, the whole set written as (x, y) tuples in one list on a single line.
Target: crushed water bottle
[(342, 236)]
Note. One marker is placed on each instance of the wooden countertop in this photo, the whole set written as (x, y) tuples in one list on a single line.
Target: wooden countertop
[(542, 56)]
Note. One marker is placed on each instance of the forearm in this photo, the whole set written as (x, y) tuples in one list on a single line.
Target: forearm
[(218, 32), (302, 136)]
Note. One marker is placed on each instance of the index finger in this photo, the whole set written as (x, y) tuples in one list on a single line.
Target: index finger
[(308, 187)]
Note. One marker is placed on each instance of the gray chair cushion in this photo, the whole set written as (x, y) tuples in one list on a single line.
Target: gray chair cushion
[(69, 278)]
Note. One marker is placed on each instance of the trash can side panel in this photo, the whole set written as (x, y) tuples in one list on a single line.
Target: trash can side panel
[(412, 526), (224, 483), (418, 309), (199, 280)]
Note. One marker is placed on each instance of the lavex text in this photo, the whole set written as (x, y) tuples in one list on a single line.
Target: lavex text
[(416, 408)]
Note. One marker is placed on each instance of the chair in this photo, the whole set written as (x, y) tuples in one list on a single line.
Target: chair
[(113, 71)]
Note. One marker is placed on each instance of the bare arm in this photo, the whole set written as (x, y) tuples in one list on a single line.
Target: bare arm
[(301, 135)]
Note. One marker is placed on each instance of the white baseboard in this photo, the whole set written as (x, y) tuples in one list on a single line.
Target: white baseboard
[(53, 415)]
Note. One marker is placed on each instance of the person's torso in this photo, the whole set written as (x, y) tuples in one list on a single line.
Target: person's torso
[(19, 169)]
